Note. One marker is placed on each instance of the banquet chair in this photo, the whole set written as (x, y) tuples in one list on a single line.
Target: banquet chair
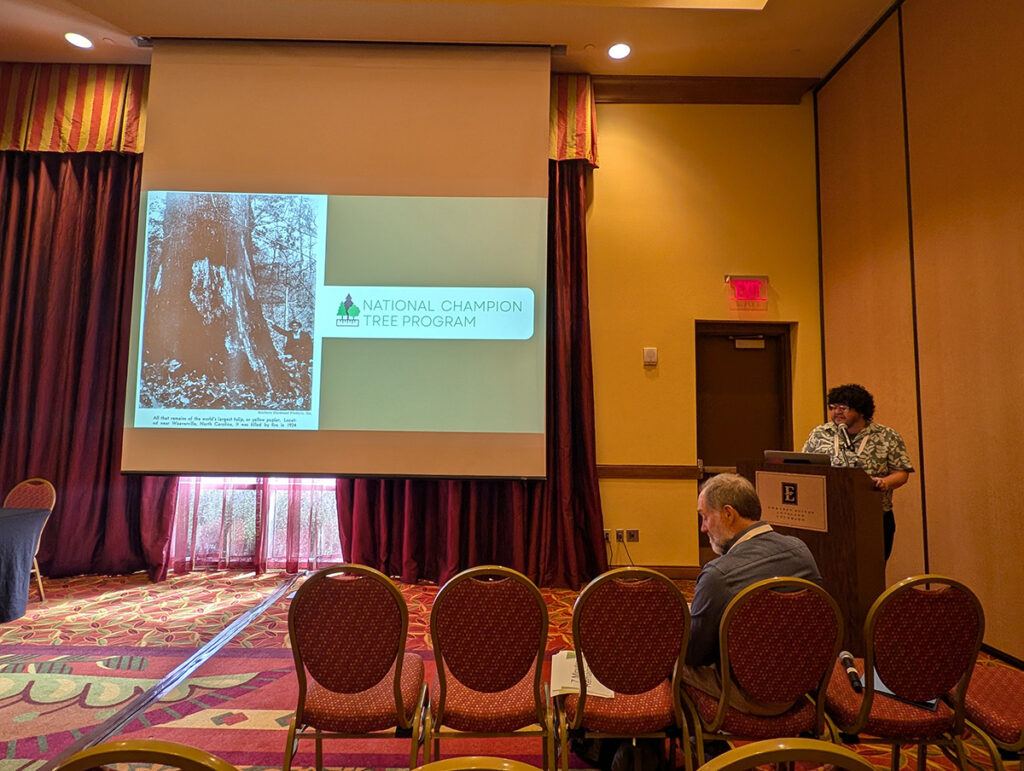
[(994, 709), (347, 625), (630, 627), (477, 763), (922, 637), (33, 493), (782, 752), (149, 751), (778, 638), (489, 627)]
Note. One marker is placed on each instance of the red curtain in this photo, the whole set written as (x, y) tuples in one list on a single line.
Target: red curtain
[(67, 255), (551, 530)]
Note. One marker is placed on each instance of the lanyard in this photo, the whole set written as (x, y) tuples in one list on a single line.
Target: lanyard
[(764, 527)]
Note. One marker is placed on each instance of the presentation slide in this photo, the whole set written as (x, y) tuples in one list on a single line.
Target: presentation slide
[(316, 313)]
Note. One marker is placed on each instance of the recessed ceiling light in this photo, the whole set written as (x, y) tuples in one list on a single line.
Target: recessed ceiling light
[(79, 41), (619, 51)]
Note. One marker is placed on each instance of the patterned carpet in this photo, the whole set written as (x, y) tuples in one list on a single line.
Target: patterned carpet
[(96, 644)]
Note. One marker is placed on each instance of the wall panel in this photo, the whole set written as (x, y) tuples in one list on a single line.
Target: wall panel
[(866, 268), (965, 111)]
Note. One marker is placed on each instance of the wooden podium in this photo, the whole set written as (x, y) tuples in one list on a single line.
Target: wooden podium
[(850, 553)]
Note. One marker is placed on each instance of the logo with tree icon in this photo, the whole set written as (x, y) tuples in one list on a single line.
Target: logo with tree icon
[(348, 313)]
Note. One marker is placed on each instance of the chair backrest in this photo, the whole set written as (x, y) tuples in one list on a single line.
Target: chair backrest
[(149, 751), (489, 628), (775, 752), (779, 638), (32, 493), (476, 763), (922, 636), (347, 626), (631, 626)]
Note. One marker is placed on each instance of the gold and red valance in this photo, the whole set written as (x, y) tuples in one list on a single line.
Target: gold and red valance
[(70, 108), (573, 128)]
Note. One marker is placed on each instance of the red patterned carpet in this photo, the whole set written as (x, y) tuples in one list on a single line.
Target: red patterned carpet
[(97, 644)]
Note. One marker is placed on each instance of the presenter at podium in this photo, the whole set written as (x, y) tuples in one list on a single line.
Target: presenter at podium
[(852, 439)]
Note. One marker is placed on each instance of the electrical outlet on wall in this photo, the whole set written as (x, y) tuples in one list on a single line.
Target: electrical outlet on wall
[(619, 535), (632, 535)]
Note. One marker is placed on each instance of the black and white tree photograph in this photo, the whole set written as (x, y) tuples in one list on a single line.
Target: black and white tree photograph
[(230, 301)]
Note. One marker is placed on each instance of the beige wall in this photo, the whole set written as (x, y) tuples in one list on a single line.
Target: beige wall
[(684, 195), (964, 108)]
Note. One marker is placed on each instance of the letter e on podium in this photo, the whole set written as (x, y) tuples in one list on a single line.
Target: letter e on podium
[(793, 500)]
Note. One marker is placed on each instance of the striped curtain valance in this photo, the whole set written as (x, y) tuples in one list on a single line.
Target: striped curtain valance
[(573, 129), (70, 108), (92, 108)]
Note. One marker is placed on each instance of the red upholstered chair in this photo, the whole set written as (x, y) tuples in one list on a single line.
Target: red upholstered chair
[(631, 626), (33, 493), (489, 627), (994, 706), (778, 638), (922, 636), (347, 626)]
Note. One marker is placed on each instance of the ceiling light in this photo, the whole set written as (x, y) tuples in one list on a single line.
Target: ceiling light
[(79, 41), (619, 51)]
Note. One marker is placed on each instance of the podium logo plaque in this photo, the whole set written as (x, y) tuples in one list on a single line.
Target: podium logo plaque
[(793, 500)]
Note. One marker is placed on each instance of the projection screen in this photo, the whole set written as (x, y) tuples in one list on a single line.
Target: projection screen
[(341, 262)]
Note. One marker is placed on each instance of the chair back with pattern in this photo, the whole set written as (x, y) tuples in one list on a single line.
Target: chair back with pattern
[(779, 638), (348, 626), (631, 626), (155, 752), (32, 493), (922, 636), (489, 629)]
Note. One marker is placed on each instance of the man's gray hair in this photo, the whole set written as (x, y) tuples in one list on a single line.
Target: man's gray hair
[(732, 490)]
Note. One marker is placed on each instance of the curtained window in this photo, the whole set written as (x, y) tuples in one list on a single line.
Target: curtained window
[(263, 523)]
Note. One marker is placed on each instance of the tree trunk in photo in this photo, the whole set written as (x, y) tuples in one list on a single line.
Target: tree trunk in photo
[(202, 315)]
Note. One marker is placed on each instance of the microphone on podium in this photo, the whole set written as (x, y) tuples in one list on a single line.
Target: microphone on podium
[(846, 661)]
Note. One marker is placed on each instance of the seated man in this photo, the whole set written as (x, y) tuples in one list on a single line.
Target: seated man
[(750, 551)]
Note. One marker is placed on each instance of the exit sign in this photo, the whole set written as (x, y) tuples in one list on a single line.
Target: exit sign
[(748, 292)]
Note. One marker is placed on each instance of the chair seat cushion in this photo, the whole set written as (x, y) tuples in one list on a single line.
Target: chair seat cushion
[(626, 713), (889, 718), (995, 701), (800, 719), (370, 710), (482, 712)]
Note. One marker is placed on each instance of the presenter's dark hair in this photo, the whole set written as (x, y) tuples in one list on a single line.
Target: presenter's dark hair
[(732, 490), (855, 396)]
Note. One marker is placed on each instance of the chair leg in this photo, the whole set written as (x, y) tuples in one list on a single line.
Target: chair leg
[(319, 750), (39, 580), (895, 764), (563, 739), (961, 753), (289, 747), (922, 757), (993, 751), (427, 728)]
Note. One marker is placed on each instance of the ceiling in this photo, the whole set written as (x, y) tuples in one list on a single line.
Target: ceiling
[(788, 38)]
